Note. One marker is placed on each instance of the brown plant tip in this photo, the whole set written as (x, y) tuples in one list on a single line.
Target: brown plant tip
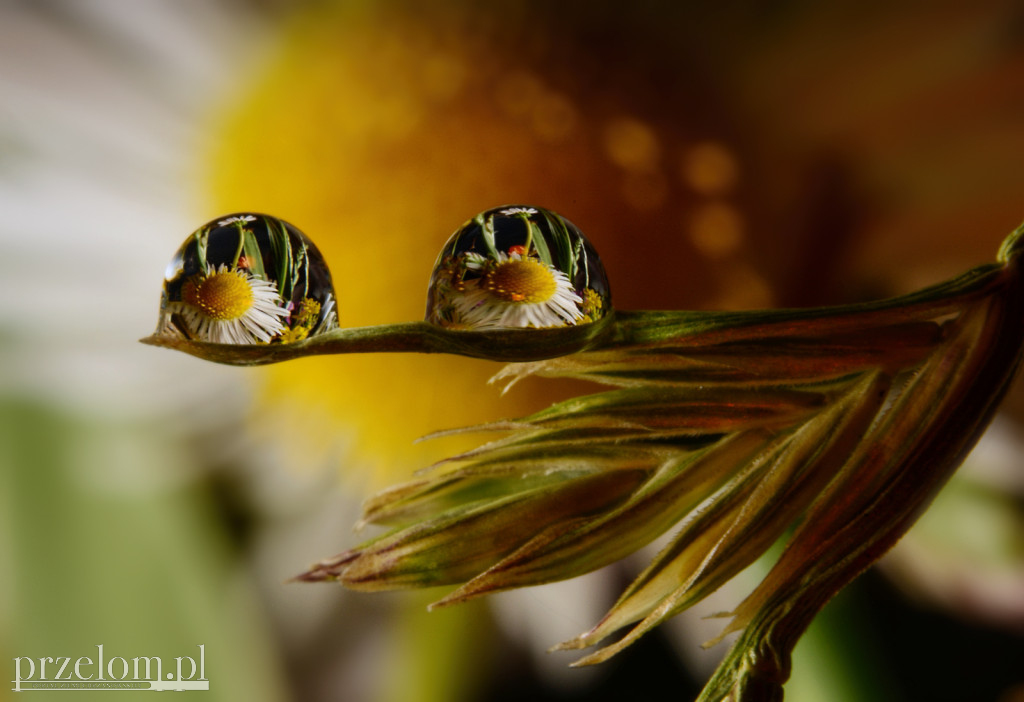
[(829, 430), (327, 570)]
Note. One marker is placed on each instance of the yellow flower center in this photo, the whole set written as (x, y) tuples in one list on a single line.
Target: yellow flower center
[(223, 295), (522, 280)]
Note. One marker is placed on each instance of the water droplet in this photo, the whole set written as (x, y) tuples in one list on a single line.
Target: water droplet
[(247, 278), (517, 266)]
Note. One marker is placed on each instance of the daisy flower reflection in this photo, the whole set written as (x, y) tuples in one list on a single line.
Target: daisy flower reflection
[(227, 306), (518, 291)]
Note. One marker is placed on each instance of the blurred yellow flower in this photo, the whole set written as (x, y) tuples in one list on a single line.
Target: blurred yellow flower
[(378, 130)]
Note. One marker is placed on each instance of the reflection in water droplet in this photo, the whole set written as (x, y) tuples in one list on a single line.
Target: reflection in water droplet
[(517, 266), (247, 278)]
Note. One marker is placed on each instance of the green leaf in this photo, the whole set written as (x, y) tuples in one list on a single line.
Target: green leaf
[(487, 228), (836, 426), (251, 249)]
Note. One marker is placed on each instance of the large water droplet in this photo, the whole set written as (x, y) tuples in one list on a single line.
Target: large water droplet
[(517, 266), (247, 278)]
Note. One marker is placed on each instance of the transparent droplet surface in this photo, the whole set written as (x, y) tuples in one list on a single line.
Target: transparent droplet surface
[(247, 278), (516, 267)]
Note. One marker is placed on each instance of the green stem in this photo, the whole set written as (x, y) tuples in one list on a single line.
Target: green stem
[(418, 337), (618, 330), (241, 244)]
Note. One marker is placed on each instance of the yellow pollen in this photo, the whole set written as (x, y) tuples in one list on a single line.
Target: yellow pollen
[(523, 280), (225, 295)]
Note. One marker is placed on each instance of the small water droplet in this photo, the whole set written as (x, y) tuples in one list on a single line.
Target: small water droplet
[(517, 266), (247, 278)]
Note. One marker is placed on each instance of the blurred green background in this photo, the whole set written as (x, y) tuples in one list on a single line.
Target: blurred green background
[(719, 155)]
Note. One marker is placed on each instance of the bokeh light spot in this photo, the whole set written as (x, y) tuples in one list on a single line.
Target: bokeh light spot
[(716, 230), (631, 144), (710, 168)]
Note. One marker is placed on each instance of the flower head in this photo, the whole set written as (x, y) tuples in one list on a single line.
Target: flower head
[(236, 219), (518, 291), (516, 267), (230, 306)]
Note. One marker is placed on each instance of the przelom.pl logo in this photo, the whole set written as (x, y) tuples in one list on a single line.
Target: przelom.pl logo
[(110, 673)]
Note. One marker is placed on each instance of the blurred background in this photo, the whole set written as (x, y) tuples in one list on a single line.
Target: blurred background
[(718, 155)]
